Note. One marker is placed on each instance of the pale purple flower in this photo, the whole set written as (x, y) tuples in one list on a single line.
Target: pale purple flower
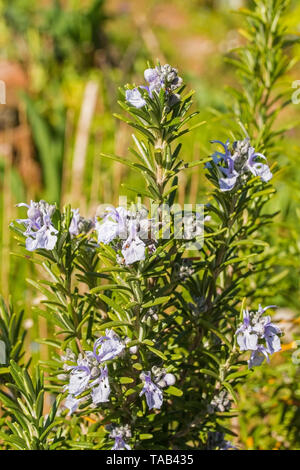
[(258, 356), (161, 77), (79, 379), (154, 395), (153, 78), (246, 337), (258, 168), (170, 379), (134, 248), (113, 225), (130, 232), (108, 347), (267, 330), (107, 231), (79, 224), (235, 165), (121, 433), (258, 334), (229, 182), (88, 375), (72, 404), (151, 75), (74, 229), (45, 238), (39, 233), (134, 97), (120, 444), (101, 388)]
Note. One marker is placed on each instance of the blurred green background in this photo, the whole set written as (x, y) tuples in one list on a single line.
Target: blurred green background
[(62, 62)]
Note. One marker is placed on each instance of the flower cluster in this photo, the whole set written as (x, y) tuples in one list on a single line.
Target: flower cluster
[(119, 433), (184, 269), (258, 334), (152, 389), (130, 231), (234, 165), (220, 403), (90, 374), (39, 233), (162, 77)]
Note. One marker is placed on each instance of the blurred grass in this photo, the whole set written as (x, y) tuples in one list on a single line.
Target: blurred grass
[(64, 46)]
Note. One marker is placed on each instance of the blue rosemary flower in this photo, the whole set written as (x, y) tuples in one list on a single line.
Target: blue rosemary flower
[(101, 388), (88, 374), (79, 378), (134, 248), (72, 403), (153, 393), (246, 337), (119, 434), (129, 230), (161, 77), (134, 97), (235, 165), (258, 168), (114, 225), (258, 356), (39, 233), (258, 334), (108, 347)]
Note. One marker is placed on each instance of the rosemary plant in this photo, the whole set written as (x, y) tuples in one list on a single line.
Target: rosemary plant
[(154, 310)]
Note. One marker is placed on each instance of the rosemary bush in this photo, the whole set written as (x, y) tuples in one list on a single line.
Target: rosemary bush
[(152, 339)]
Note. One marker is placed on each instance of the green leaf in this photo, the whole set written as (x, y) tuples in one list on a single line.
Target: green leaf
[(210, 372), (174, 391), (111, 324), (126, 380), (236, 375), (143, 437), (148, 342), (119, 160), (157, 352), (97, 289), (231, 391), (158, 301), (81, 444)]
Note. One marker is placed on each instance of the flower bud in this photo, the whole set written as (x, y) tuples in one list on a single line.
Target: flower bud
[(170, 379)]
